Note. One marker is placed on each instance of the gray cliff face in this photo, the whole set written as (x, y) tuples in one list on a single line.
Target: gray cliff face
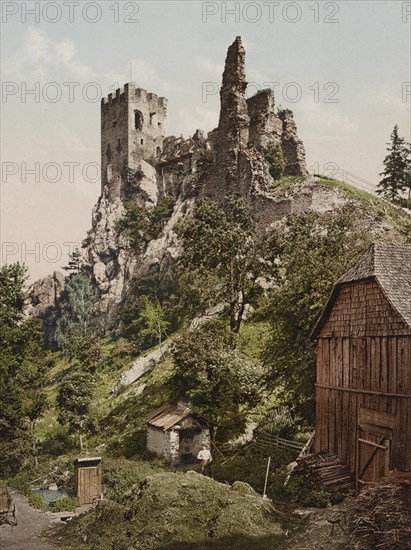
[(45, 293)]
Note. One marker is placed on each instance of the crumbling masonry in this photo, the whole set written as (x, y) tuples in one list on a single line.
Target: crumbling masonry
[(139, 161)]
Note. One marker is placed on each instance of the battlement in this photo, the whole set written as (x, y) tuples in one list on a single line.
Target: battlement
[(130, 92)]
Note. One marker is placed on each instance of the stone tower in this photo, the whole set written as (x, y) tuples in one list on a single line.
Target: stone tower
[(132, 130)]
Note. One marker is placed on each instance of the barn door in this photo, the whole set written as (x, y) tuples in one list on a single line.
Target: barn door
[(88, 485), (373, 445), (374, 458)]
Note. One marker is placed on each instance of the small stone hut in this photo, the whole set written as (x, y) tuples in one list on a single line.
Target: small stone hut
[(363, 389), (176, 433)]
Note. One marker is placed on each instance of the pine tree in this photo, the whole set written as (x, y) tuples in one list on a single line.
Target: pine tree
[(76, 319), (74, 263), (396, 165), (22, 372)]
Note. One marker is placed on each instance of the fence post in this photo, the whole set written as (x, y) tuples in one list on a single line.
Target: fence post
[(266, 477)]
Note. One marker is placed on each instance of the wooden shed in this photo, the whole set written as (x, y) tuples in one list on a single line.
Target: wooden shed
[(363, 384), (87, 479), (177, 433)]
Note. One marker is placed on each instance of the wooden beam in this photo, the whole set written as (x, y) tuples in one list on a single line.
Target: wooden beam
[(364, 468), (368, 392), (371, 443)]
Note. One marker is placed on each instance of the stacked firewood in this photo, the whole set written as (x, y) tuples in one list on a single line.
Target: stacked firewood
[(380, 517), (327, 470)]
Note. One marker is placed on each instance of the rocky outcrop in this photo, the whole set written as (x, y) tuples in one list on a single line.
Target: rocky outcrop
[(140, 366), (44, 294), (114, 266)]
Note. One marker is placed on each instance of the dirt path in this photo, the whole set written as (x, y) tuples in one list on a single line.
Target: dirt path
[(26, 535), (317, 533)]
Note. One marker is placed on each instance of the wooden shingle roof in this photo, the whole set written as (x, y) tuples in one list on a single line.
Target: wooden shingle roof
[(169, 415), (390, 265)]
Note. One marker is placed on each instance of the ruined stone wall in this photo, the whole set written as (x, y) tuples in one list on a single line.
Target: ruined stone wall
[(293, 147), (265, 126)]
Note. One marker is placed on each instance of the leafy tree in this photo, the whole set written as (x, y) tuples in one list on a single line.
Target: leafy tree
[(90, 353), (275, 158), (12, 294), (145, 320), (22, 372), (31, 376), (397, 167), (73, 401), (76, 319), (313, 251), (153, 318), (75, 261), (141, 225), (218, 381), (221, 240)]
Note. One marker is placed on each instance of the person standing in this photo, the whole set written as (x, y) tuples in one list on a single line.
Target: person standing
[(204, 457)]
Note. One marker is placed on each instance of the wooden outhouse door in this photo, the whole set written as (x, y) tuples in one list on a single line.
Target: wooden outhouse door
[(375, 431), (88, 486)]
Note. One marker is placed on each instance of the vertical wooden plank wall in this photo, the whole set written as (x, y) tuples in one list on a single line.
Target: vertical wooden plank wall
[(364, 345)]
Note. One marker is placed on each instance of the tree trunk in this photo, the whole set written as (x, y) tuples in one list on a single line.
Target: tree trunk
[(33, 442), (233, 301)]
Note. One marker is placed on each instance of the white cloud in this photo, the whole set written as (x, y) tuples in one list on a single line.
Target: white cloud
[(209, 67), (66, 49), (39, 58)]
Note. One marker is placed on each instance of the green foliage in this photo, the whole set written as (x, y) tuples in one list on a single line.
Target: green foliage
[(22, 372), (58, 441), (76, 320), (250, 466), (141, 225), (153, 319), (120, 475), (396, 175), (314, 251), (66, 504), (37, 501), (221, 240), (90, 353), (217, 381), (304, 492), (75, 261), (145, 322), (275, 159), (280, 422), (74, 398), (12, 293)]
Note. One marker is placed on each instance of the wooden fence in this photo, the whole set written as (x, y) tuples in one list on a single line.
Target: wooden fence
[(267, 440)]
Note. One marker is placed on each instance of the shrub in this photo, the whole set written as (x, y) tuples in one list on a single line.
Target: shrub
[(275, 159), (66, 504), (37, 501), (304, 492)]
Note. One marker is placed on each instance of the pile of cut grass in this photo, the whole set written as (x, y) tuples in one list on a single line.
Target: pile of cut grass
[(181, 510)]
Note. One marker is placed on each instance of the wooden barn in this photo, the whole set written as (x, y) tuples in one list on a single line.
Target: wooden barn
[(176, 433), (363, 385)]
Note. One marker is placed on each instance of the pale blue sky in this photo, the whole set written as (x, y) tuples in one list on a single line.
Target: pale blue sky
[(174, 52)]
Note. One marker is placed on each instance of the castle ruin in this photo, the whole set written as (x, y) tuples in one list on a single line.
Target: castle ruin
[(230, 159)]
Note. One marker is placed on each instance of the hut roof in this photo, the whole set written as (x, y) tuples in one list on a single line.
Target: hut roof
[(390, 265), (168, 415)]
